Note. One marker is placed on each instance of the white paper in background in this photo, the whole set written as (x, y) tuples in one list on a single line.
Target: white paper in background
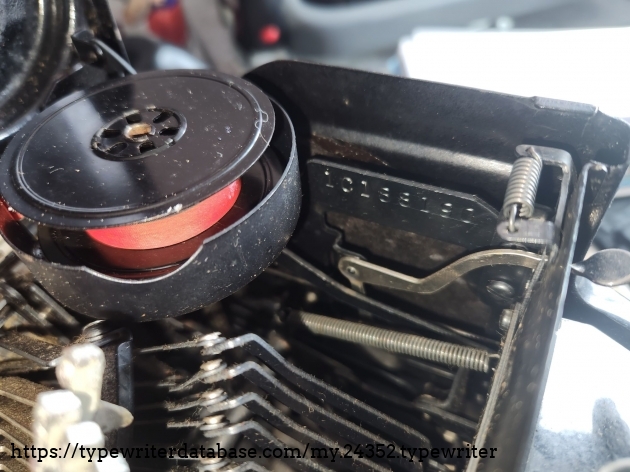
[(589, 66)]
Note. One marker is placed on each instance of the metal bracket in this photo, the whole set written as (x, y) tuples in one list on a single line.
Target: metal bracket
[(454, 217), (562, 160), (535, 232), (92, 50), (366, 272)]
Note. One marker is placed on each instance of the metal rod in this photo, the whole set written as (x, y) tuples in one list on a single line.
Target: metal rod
[(396, 342)]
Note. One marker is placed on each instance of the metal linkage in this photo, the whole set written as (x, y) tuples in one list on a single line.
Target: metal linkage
[(202, 342), (276, 418), (203, 400), (94, 50), (520, 196), (366, 272), (217, 427), (346, 295), (396, 342), (347, 424), (393, 429), (21, 297), (21, 306), (537, 232), (262, 379), (206, 407)]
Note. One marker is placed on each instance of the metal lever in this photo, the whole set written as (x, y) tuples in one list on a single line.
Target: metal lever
[(610, 267), (366, 272), (602, 307), (216, 371), (91, 49)]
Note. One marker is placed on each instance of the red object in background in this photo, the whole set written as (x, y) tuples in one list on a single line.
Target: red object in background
[(168, 23), (171, 229), (269, 34)]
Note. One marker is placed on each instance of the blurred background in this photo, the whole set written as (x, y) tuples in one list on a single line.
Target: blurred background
[(390, 36)]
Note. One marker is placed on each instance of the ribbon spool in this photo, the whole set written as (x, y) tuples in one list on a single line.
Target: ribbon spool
[(173, 229), (152, 195)]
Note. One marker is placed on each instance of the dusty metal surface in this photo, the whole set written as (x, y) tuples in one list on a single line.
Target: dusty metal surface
[(30, 347), (21, 390)]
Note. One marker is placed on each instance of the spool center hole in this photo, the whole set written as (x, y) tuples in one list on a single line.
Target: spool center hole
[(138, 131)]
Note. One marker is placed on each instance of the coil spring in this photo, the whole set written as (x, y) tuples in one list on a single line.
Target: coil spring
[(520, 196), (399, 343)]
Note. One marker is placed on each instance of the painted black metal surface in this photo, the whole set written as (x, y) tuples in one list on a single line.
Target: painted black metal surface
[(92, 50), (463, 219), (510, 424), (30, 61), (74, 163), (463, 140)]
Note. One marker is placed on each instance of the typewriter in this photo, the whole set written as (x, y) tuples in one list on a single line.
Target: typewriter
[(306, 268)]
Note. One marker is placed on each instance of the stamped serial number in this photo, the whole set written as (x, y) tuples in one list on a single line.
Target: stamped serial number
[(397, 194)]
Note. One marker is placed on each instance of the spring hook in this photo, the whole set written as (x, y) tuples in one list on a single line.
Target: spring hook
[(520, 196)]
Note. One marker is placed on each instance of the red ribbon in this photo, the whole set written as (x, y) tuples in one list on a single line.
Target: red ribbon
[(171, 229)]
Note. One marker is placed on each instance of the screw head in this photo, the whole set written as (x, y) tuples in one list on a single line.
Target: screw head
[(210, 337), (351, 270), (211, 366), (500, 289), (214, 420), (213, 394)]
